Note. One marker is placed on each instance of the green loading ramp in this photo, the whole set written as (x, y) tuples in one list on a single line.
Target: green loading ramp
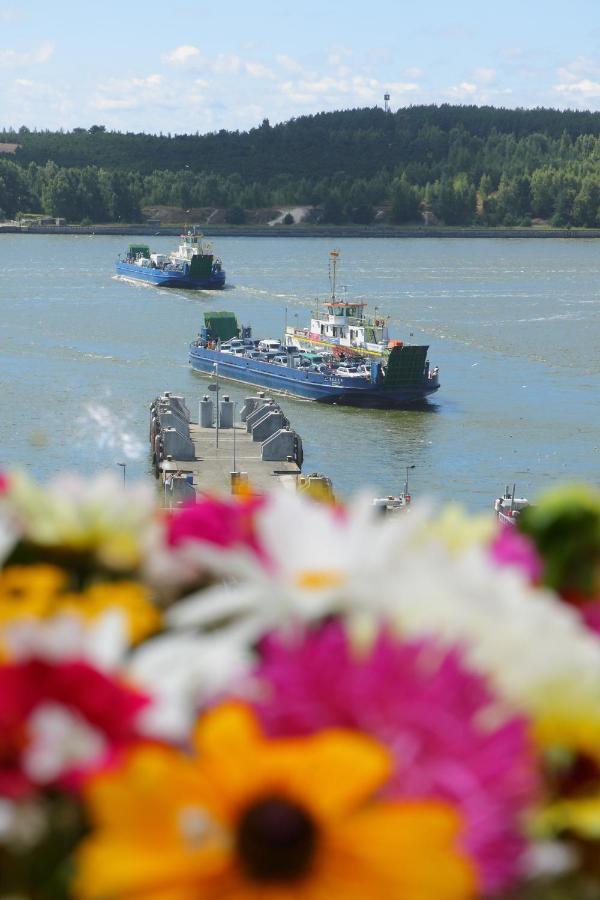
[(222, 325), (406, 366)]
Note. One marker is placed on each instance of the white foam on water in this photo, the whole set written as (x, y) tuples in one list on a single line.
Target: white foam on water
[(109, 431)]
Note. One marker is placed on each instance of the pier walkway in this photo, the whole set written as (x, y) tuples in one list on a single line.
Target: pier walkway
[(190, 458)]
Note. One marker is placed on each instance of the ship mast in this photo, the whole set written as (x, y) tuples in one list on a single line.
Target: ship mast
[(333, 258)]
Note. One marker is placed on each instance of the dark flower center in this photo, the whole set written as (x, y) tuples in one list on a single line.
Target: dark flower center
[(276, 840), (578, 779)]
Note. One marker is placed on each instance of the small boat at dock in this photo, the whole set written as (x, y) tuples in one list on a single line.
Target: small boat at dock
[(508, 507)]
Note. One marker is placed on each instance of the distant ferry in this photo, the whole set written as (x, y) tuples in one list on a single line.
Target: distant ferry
[(193, 265)]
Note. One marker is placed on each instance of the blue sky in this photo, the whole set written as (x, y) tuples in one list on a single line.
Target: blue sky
[(180, 66)]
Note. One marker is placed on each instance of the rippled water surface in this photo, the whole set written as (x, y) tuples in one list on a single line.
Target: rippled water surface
[(514, 326)]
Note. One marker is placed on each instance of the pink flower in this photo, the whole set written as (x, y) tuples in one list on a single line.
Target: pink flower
[(428, 709), (4, 483), (226, 523), (59, 722), (511, 548), (590, 613)]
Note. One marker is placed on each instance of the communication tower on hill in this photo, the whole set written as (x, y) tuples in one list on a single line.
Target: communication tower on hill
[(386, 103)]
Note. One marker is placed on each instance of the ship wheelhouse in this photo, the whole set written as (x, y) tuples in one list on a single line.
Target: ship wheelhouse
[(345, 323)]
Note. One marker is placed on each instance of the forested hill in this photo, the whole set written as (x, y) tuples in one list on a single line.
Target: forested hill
[(358, 142), (453, 165)]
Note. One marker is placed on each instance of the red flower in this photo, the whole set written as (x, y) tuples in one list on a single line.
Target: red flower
[(37, 698)]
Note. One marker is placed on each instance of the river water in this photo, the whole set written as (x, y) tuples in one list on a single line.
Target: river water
[(514, 326)]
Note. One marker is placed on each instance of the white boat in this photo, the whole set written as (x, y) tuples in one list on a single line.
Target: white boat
[(508, 507), (393, 504)]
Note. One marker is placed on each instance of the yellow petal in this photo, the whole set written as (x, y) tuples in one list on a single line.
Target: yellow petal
[(152, 777), (405, 850), (112, 869), (337, 771), (229, 743), (581, 816)]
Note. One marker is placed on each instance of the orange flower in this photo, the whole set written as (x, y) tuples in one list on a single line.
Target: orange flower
[(259, 819)]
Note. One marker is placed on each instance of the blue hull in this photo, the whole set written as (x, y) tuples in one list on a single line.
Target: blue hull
[(307, 385), (164, 278)]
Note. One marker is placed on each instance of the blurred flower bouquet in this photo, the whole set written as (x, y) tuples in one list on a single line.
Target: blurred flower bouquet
[(268, 697)]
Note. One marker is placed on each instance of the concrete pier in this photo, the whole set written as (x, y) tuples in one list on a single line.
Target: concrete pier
[(191, 459)]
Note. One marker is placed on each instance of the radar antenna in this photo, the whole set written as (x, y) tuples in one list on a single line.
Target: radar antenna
[(334, 255)]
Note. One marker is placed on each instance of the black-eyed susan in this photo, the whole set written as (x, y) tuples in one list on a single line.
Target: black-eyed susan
[(30, 591), (259, 819)]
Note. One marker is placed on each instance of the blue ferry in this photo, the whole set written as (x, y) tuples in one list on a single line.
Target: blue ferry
[(399, 377), (193, 265)]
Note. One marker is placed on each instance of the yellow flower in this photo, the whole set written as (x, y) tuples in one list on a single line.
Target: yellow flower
[(29, 591), (458, 530), (259, 819), (572, 768), (39, 592), (97, 518), (131, 598)]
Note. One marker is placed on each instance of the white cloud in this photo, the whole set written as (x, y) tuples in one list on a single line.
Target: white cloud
[(585, 89), (131, 93), (484, 75), (414, 72), (579, 68), (38, 103), (257, 70), (181, 56), (579, 80), (149, 81), (114, 103), (227, 64), (13, 59), (286, 62), (462, 90), (402, 87), (359, 89), (339, 56)]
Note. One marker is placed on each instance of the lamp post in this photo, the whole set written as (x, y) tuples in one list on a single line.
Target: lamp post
[(215, 387), (124, 467), (234, 459), (406, 480)]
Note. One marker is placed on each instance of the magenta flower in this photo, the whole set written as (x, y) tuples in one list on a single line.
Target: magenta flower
[(430, 711), (226, 523), (511, 548)]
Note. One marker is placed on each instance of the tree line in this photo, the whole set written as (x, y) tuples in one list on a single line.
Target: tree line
[(450, 164)]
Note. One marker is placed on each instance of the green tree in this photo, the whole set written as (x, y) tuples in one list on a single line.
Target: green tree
[(405, 201), (586, 204)]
